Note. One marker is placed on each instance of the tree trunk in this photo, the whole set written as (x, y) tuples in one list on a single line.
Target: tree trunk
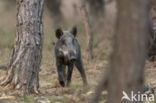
[(96, 7), (128, 58), (23, 72), (89, 32)]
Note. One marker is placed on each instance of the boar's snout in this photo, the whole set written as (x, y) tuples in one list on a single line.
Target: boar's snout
[(68, 56), (72, 59), (72, 56)]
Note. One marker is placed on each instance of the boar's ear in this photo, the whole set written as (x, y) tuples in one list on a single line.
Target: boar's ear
[(74, 31), (59, 33)]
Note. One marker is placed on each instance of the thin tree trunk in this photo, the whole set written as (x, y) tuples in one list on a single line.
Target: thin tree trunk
[(128, 58), (23, 72), (88, 29)]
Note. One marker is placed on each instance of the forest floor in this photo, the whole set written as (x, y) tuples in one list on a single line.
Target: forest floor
[(51, 92)]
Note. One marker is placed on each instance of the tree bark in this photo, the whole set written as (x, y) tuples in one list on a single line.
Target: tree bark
[(23, 71), (128, 58), (88, 29)]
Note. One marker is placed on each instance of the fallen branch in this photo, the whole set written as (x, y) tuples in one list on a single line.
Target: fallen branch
[(7, 97), (4, 66)]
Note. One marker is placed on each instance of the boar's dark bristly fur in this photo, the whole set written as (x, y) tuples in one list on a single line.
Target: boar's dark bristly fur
[(68, 53)]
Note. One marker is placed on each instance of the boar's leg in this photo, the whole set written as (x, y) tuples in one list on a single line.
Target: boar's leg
[(69, 75), (64, 72), (79, 65), (61, 74)]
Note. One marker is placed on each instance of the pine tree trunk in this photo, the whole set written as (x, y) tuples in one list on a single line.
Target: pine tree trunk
[(23, 72)]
